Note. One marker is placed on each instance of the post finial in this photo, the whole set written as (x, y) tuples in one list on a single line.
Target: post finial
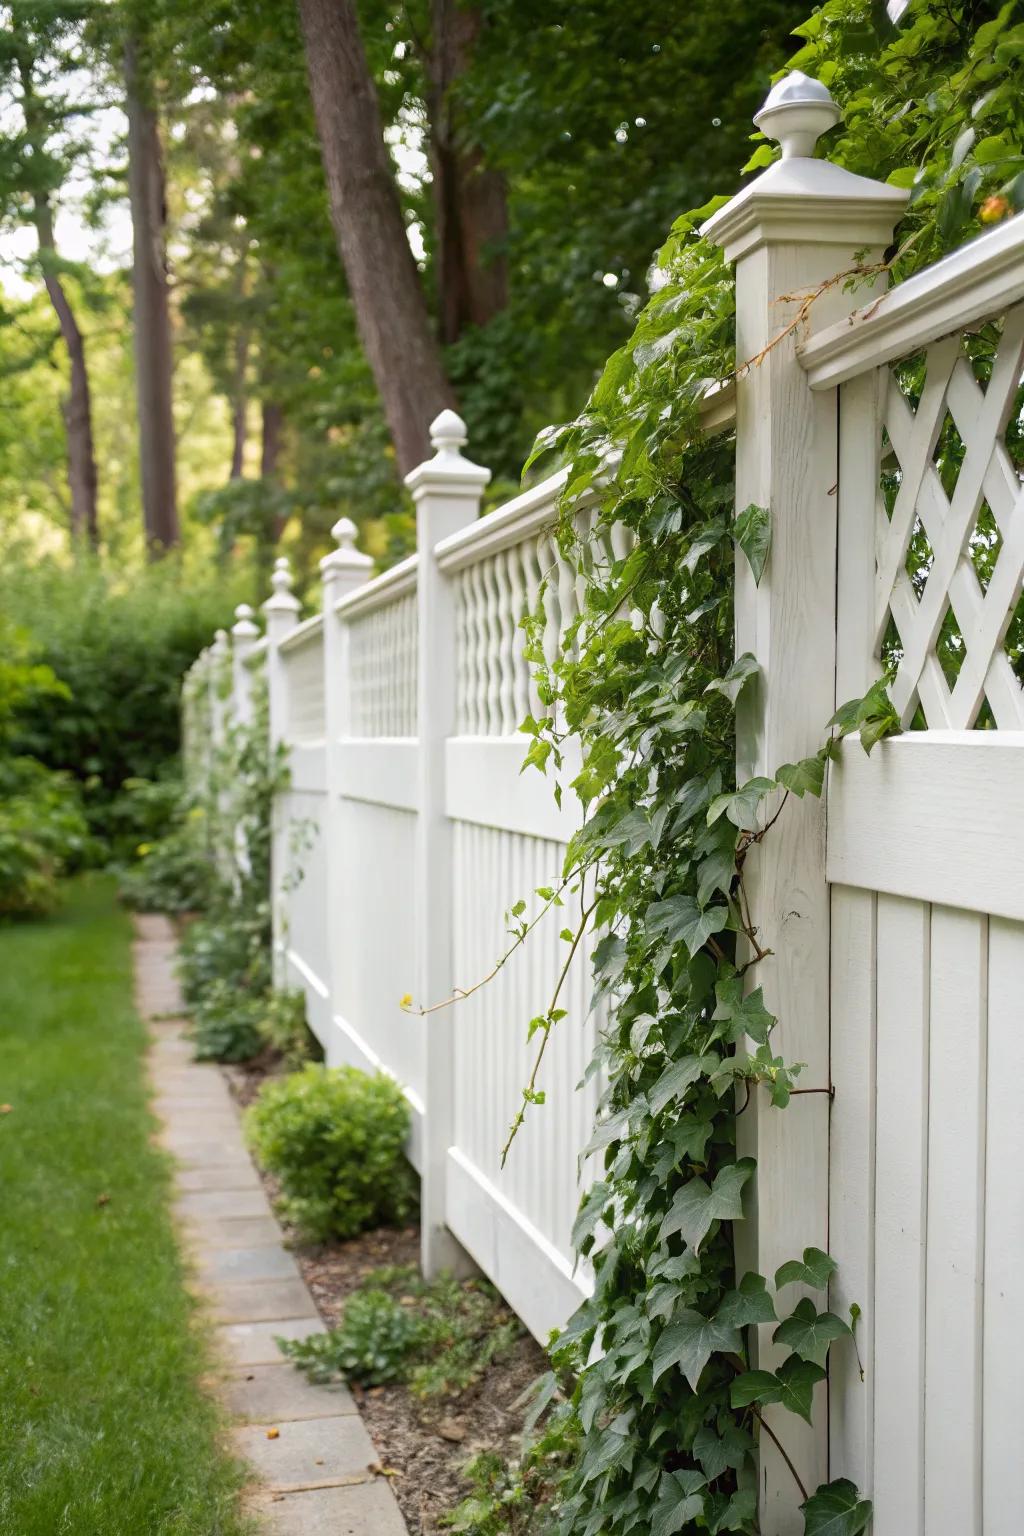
[(283, 599), (346, 561), (448, 433), (244, 627), (796, 112)]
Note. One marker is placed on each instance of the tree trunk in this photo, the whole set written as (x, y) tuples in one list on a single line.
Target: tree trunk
[(77, 405), (239, 403), (390, 308), (152, 319), (272, 422), (470, 202)]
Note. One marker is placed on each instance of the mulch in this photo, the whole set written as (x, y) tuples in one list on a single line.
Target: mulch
[(423, 1446)]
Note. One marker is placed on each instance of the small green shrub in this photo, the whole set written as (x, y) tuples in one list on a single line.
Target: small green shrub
[(226, 1024), (334, 1137), (438, 1336), (42, 831), (372, 1346), (285, 1031), (173, 869), (228, 944)]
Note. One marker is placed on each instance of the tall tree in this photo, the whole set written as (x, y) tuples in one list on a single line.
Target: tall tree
[(37, 56), (387, 295), (152, 318), (470, 197)]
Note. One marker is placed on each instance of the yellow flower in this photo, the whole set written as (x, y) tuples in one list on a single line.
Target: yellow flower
[(406, 1000), (993, 209)]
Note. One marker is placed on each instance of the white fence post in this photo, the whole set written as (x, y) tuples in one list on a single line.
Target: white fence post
[(244, 635), (447, 490), (344, 569), (795, 228), (282, 615)]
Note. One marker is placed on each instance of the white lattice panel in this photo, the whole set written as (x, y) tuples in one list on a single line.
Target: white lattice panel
[(383, 662), (494, 689), (304, 669), (950, 557)]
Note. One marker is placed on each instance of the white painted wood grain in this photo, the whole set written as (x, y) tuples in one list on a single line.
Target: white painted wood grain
[(1003, 1463), (956, 1201), (932, 814), (380, 770), (852, 1178), (901, 1193), (486, 784)]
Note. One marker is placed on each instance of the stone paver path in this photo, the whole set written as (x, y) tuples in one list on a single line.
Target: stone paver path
[(313, 1477)]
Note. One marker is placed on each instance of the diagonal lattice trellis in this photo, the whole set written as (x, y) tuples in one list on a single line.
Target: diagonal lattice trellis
[(986, 476)]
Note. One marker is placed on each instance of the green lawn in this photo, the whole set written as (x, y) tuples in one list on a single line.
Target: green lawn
[(103, 1431)]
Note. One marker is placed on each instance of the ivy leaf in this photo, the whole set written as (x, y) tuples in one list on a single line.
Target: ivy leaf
[(591, 1208), (690, 1342), (675, 1080), (680, 920), (680, 1500), (736, 679), (696, 1205), (836, 1509), (746, 1015), (806, 777), (749, 1303), (874, 716), (716, 1453), (733, 1514), (792, 1385), (753, 533), (816, 1270), (808, 1332), (741, 805), (702, 543)]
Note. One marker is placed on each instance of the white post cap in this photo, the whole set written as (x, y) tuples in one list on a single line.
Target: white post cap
[(796, 112), (283, 599), (448, 471), (800, 200), (346, 560), (244, 627)]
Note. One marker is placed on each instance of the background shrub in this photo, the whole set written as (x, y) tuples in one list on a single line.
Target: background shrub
[(42, 828), (334, 1137), (173, 869), (120, 645)]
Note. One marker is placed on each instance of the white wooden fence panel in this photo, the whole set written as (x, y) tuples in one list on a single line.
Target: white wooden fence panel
[(374, 934), (303, 663), (897, 1369), (538, 1191), (1003, 1466)]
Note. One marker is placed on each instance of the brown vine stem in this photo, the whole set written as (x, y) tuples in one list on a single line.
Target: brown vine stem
[(546, 1031), (759, 1416), (459, 994)]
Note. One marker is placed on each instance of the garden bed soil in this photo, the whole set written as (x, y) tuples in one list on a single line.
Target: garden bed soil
[(423, 1445)]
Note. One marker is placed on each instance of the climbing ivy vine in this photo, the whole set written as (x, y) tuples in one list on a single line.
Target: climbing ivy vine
[(652, 1414)]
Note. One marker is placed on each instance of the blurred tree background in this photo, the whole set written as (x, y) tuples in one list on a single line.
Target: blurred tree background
[(535, 155)]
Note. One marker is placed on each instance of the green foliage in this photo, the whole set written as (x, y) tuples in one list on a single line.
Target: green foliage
[(173, 871), (42, 828), (120, 647), (284, 1029), (662, 1410), (335, 1139), (438, 1336), (226, 1023)]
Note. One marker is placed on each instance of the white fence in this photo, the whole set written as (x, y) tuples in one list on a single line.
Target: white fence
[(894, 907)]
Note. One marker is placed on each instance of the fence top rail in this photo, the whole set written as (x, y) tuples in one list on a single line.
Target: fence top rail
[(526, 513), (257, 653), (978, 281), (382, 590), (537, 508), (303, 634)]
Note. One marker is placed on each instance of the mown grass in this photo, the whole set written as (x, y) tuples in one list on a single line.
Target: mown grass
[(103, 1430)]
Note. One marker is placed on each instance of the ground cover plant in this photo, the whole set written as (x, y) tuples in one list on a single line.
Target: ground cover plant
[(103, 1426), (335, 1139), (438, 1336)]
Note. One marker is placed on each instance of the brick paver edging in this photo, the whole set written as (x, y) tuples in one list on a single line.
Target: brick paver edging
[(309, 1449)]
